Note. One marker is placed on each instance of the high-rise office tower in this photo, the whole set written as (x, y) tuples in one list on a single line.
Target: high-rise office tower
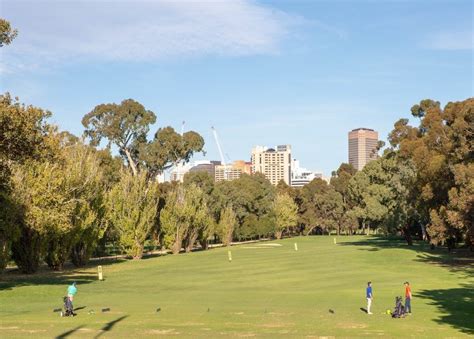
[(362, 147), (274, 163)]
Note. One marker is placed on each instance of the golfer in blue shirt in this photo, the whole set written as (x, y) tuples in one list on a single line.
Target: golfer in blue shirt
[(370, 296)]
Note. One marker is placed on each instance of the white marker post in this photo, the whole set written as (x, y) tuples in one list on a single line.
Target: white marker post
[(335, 241), (229, 254), (99, 272), (296, 247)]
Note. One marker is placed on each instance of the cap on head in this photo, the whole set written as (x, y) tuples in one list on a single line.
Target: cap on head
[(370, 282), (406, 283)]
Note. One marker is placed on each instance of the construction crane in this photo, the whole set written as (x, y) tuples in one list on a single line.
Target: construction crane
[(221, 154)]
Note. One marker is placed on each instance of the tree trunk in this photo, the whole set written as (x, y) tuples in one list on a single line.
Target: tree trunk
[(131, 162), (4, 253), (407, 235), (191, 241), (278, 234), (137, 250), (176, 248), (423, 232), (311, 228), (204, 244), (80, 254)]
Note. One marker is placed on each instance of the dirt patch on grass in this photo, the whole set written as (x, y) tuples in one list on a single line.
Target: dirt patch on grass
[(281, 313), (255, 247), (277, 325), (170, 331), (351, 325), (30, 331), (87, 330)]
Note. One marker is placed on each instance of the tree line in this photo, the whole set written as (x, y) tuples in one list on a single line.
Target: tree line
[(63, 197)]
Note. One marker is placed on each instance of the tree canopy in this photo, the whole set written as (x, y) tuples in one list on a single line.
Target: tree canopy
[(7, 33)]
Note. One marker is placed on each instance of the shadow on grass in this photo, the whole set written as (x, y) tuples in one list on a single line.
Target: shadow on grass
[(460, 260), (456, 304), (68, 333), (11, 280), (44, 276), (108, 327)]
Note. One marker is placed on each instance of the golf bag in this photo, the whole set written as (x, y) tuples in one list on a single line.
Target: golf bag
[(68, 308), (399, 311)]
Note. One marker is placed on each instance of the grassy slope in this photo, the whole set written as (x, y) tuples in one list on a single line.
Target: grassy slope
[(265, 292)]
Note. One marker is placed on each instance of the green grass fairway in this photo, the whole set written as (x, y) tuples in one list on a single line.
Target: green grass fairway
[(266, 291)]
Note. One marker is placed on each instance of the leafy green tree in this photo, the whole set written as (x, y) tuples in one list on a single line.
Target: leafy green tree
[(23, 130), (440, 148), (9, 230), (169, 148), (226, 225), (111, 167), (200, 224), (173, 219), (460, 209), (329, 210), (185, 218), (307, 211), (251, 197), (125, 125), (286, 214), (202, 179), (39, 189), (370, 195), (85, 184), (7, 33), (132, 208), (349, 222), (60, 201), (340, 180)]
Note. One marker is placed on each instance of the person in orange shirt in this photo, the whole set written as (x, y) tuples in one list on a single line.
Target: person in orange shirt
[(407, 297)]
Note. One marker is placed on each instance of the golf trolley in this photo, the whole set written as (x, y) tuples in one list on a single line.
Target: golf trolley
[(399, 311), (68, 308)]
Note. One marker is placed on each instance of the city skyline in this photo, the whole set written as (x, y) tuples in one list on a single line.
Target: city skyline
[(305, 73)]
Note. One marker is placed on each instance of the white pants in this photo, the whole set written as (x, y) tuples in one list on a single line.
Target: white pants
[(369, 304)]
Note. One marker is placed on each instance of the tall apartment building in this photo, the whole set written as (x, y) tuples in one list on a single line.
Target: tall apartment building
[(232, 171), (362, 147), (275, 164)]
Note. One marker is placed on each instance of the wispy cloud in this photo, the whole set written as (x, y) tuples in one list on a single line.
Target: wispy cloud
[(452, 41), (144, 30)]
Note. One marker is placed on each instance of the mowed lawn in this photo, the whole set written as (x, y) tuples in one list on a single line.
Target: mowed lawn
[(268, 290)]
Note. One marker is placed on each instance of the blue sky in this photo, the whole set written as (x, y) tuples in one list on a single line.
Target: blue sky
[(262, 72)]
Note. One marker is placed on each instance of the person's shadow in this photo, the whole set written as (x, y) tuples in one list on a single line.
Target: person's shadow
[(363, 310)]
